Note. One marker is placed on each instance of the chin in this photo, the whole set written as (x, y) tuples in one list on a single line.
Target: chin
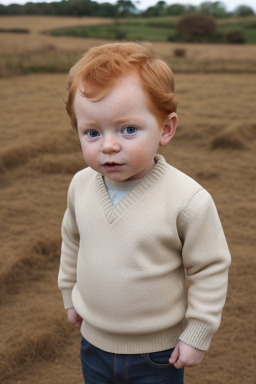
[(116, 178)]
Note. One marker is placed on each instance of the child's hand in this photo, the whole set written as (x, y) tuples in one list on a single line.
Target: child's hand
[(186, 356), (74, 318)]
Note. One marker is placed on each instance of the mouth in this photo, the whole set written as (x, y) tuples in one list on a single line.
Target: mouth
[(111, 163), (110, 166)]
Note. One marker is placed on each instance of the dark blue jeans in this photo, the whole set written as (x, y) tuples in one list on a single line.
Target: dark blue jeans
[(100, 367)]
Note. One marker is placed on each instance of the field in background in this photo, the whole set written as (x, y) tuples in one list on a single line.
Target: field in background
[(157, 29), (37, 24), (37, 52), (215, 144)]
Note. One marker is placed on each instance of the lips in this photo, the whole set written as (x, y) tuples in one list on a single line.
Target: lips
[(110, 166)]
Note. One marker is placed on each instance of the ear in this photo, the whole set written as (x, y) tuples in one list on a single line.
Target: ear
[(169, 128)]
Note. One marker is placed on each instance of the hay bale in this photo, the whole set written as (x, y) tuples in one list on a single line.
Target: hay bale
[(235, 136)]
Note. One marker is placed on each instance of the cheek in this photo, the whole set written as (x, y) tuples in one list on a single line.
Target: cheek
[(139, 156), (89, 152), (144, 148)]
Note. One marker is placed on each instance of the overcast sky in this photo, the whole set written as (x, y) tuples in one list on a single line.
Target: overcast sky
[(230, 4)]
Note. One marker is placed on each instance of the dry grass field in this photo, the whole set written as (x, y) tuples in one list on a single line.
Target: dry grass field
[(38, 24), (39, 153), (37, 51)]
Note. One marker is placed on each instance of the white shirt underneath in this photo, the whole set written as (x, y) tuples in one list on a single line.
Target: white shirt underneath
[(117, 190)]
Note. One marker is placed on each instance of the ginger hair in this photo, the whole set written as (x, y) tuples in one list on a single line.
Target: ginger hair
[(98, 70)]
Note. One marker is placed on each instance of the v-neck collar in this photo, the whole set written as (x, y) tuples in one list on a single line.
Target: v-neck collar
[(112, 212), (122, 185)]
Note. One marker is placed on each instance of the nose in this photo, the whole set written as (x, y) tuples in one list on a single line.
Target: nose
[(110, 144)]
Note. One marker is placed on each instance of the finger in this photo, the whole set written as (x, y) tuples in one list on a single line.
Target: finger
[(78, 321), (78, 324), (178, 364), (174, 356)]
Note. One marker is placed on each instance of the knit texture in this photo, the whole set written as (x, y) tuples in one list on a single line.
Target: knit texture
[(122, 267)]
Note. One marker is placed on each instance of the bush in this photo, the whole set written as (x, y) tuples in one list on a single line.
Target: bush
[(119, 35), (251, 24), (179, 52), (234, 37), (244, 11), (14, 30), (196, 25)]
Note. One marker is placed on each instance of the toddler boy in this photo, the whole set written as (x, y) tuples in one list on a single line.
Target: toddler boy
[(134, 225)]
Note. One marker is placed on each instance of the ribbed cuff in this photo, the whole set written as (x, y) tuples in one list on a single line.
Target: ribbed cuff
[(198, 334), (67, 298)]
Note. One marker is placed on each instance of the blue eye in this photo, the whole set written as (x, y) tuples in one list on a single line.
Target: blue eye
[(130, 130), (93, 133)]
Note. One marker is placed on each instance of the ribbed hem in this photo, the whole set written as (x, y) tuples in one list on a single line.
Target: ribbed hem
[(132, 344), (198, 334), (67, 298)]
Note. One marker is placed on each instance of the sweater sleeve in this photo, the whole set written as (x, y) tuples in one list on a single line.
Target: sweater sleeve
[(69, 251), (206, 259)]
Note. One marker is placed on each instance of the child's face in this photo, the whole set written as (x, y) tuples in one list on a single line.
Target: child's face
[(119, 134)]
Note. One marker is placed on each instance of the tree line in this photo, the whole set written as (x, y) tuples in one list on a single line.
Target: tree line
[(122, 8)]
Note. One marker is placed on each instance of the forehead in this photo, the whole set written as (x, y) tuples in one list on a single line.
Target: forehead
[(127, 91)]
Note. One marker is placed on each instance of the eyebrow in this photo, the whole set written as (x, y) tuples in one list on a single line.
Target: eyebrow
[(126, 119), (90, 123)]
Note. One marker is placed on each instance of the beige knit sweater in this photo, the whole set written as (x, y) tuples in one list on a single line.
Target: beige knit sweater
[(123, 268)]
